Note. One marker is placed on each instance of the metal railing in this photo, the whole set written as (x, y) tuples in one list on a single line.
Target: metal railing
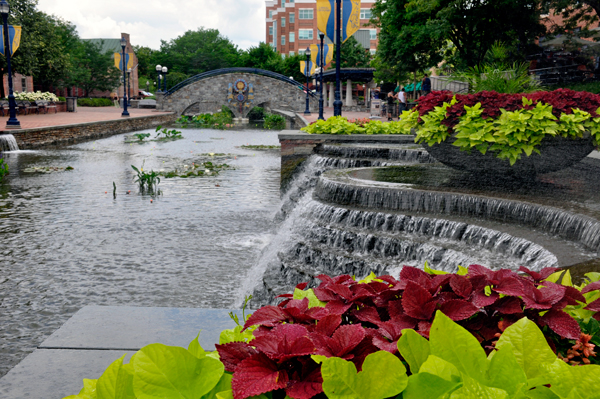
[(224, 71)]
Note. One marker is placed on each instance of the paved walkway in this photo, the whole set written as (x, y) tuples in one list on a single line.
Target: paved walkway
[(83, 115), (327, 112)]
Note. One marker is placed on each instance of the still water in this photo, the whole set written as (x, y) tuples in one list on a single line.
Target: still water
[(65, 242)]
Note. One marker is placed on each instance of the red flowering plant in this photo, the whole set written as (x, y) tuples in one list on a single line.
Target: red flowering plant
[(352, 319)]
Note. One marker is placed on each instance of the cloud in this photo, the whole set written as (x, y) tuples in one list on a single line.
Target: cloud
[(149, 21)]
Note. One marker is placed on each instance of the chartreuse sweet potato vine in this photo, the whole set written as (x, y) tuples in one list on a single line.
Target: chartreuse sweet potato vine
[(341, 125), (475, 334)]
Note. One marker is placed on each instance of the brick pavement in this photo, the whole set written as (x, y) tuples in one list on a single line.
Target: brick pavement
[(83, 115), (327, 112)]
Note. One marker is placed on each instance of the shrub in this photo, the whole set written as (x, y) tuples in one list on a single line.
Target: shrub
[(341, 125), (219, 120), (37, 96), (62, 99), (274, 122), (94, 102), (256, 114)]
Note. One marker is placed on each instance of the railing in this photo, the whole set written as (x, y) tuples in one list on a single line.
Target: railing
[(444, 83), (217, 72)]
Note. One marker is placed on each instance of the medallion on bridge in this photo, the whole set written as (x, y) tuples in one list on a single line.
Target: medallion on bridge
[(241, 93)]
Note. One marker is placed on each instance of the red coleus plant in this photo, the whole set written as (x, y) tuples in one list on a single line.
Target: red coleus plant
[(562, 101), (362, 318)]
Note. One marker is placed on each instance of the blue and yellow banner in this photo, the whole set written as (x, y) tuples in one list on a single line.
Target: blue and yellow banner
[(14, 38), (128, 61), (326, 18), (350, 18), (307, 71), (327, 53)]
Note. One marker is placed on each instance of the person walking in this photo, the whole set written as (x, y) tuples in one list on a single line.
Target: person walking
[(425, 86), (403, 106), (390, 104)]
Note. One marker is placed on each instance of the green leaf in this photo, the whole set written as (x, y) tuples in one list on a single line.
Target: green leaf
[(313, 301), (453, 343), (541, 393), (236, 335), (382, 376), (472, 389), (172, 372), (225, 395), (565, 379), (224, 385), (414, 349), (87, 392), (528, 345), (116, 382), (195, 349), (505, 372), (425, 385), (441, 368)]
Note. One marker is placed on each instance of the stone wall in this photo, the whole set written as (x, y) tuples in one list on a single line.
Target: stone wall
[(210, 94), (70, 134)]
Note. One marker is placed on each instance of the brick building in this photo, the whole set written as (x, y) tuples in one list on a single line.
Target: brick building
[(21, 83), (291, 26)]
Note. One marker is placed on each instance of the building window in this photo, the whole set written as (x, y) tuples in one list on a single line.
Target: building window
[(282, 3), (373, 34), (271, 30), (305, 34), (291, 1), (301, 52), (365, 13), (292, 18), (23, 84), (292, 53), (282, 40), (372, 51), (282, 22), (292, 37), (271, 14), (305, 13)]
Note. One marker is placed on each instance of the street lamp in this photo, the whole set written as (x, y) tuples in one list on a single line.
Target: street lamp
[(337, 104), (322, 36), (165, 70), (158, 71), (129, 86), (12, 122), (124, 65), (307, 70)]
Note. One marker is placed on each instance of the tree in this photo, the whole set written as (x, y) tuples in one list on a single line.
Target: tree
[(354, 55), (263, 56), (92, 69), (574, 14)]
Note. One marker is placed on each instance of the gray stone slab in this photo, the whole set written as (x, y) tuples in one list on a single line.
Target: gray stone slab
[(54, 374), (595, 154), (131, 328), (358, 138)]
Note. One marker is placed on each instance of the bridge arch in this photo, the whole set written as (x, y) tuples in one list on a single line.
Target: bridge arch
[(241, 89)]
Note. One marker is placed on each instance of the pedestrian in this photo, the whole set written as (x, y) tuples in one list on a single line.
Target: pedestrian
[(425, 86), (401, 96), (390, 104)]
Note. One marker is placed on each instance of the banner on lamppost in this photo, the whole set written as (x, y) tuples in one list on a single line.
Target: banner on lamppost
[(307, 70), (128, 61), (14, 38), (315, 52), (326, 18), (350, 18)]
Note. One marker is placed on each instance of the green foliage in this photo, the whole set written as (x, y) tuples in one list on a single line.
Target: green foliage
[(341, 125), (94, 102), (167, 134), (196, 170), (274, 122), (3, 168), (220, 120), (431, 131), (256, 114), (92, 69), (414, 349), (146, 180), (354, 55), (501, 78), (141, 136)]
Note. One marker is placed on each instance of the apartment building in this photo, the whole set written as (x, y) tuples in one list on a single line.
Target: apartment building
[(291, 26)]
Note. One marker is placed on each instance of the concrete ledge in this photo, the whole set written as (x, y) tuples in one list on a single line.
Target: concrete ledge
[(359, 138)]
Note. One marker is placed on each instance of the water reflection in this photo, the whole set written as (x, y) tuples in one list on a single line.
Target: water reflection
[(67, 243)]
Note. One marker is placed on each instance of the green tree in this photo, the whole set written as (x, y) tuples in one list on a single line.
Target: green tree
[(574, 14), (263, 56), (354, 55), (92, 69)]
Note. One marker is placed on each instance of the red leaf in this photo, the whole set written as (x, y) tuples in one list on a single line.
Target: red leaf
[(418, 276), (347, 337), (269, 316), (542, 274), (417, 301), (302, 286), (562, 324), (257, 375), (591, 287), (328, 324), (594, 306), (395, 308), (424, 328), (233, 353), (509, 286), (368, 314), (574, 296), (337, 307), (341, 290), (458, 309), (461, 286), (508, 305), (478, 270), (393, 329), (285, 341), (323, 294), (309, 386), (544, 297), (386, 345), (481, 300)]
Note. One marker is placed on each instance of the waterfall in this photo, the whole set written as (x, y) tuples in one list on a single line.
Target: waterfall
[(8, 143)]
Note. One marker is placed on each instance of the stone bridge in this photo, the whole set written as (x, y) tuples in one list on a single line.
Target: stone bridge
[(240, 89)]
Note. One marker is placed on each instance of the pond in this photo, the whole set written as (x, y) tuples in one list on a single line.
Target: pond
[(66, 242)]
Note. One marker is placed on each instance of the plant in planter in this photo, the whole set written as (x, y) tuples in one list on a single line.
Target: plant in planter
[(3, 168), (491, 132)]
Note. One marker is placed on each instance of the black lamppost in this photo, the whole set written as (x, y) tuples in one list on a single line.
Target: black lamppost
[(322, 36), (129, 86), (124, 65), (337, 104), (165, 70), (158, 71), (12, 122), (307, 71)]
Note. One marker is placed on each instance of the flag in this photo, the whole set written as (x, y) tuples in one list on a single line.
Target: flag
[(14, 38), (327, 53), (326, 18), (307, 71), (128, 61), (350, 18)]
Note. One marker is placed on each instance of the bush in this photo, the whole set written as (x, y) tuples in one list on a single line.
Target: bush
[(274, 122), (220, 120), (341, 125), (94, 102), (256, 114), (62, 99), (37, 96)]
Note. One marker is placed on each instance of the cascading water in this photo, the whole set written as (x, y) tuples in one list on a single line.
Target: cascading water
[(8, 143)]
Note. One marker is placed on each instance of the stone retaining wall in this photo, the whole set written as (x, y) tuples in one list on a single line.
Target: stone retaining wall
[(297, 146), (70, 134)]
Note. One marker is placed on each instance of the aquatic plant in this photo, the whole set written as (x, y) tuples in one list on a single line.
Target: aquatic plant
[(141, 136), (46, 169), (274, 122), (167, 134), (3, 168), (147, 181), (219, 120), (201, 169)]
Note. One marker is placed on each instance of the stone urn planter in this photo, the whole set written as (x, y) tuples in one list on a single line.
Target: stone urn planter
[(556, 153)]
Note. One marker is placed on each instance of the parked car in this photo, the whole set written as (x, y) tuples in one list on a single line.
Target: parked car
[(145, 94)]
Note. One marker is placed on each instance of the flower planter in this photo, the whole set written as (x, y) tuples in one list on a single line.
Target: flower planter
[(556, 153)]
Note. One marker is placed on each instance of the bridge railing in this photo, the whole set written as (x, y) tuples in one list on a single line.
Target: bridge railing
[(224, 71)]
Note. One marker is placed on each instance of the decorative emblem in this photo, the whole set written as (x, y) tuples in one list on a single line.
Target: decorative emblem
[(242, 92)]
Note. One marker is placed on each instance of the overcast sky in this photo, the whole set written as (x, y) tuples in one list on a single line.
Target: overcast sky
[(149, 21)]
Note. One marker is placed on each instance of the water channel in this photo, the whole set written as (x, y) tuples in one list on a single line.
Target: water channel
[(66, 242)]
